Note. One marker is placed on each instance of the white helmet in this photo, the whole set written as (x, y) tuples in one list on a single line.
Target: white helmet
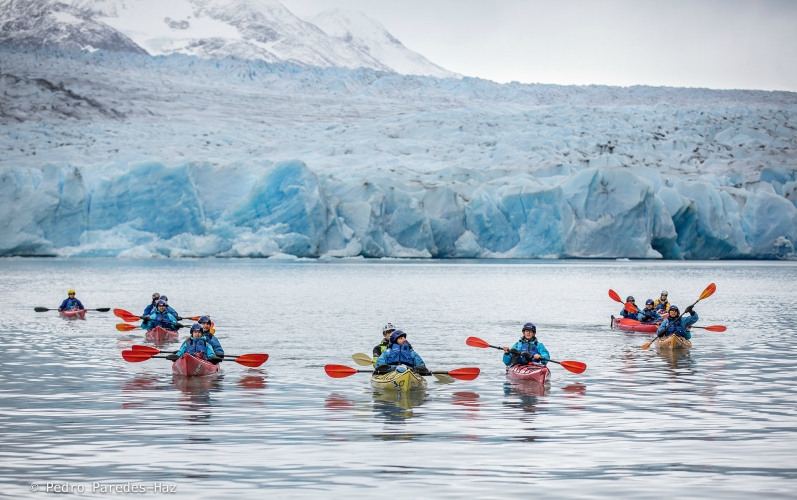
[(388, 328)]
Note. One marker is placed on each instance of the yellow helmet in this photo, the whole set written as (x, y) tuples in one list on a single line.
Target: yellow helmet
[(70, 292)]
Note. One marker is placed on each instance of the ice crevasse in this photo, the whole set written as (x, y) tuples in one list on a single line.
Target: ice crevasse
[(154, 209)]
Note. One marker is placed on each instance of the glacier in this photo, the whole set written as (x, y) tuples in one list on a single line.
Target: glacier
[(131, 156)]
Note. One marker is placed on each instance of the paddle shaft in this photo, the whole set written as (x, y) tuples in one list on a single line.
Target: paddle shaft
[(541, 358), (45, 309)]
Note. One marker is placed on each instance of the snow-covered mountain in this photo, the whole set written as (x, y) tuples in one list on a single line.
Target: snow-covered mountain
[(372, 38), (124, 155), (210, 29)]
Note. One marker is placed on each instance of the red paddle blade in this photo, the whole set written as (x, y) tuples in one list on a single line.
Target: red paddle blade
[(716, 328), (614, 296), (339, 371), (194, 318), (145, 349), (629, 322), (574, 366), (125, 315), (476, 342), (464, 373), (708, 292), (631, 307), (252, 360), (135, 357), (124, 327)]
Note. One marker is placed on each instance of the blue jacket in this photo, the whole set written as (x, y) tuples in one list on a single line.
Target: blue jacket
[(214, 343), (396, 354), (164, 320), (198, 347), (70, 304), (533, 347), (148, 310), (646, 316), (172, 311), (678, 327), (626, 314)]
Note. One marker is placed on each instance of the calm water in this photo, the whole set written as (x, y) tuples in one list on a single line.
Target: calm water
[(719, 420)]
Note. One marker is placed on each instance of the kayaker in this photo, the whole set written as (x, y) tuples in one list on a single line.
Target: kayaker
[(70, 302), (526, 349), (675, 324), (380, 348), (148, 310), (169, 308), (210, 336), (649, 314), (399, 351), (160, 317), (662, 304), (197, 345), (628, 314)]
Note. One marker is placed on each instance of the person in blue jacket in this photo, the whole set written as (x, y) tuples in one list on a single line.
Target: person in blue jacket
[(210, 336), (649, 314), (148, 310), (160, 317), (196, 345), (675, 324), (169, 308), (399, 351), (70, 302), (627, 314), (527, 349)]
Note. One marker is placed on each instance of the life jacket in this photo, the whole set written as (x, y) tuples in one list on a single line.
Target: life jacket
[(71, 304), (650, 316), (661, 306), (529, 347), (162, 320), (197, 347), (676, 327), (400, 354)]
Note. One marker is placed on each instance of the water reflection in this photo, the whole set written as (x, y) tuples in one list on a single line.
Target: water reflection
[(525, 396), (252, 381), (396, 406), (467, 400), (196, 397), (677, 359)]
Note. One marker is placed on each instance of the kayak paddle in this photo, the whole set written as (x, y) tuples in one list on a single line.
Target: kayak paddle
[(124, 327), (143, 353), (363, 359), (708, 292), (341, 371), (712, 328), (628, 306), (132, 318), (571, 366), (45, 309)]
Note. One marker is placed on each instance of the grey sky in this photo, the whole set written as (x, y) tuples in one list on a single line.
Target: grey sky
[(713, 43)]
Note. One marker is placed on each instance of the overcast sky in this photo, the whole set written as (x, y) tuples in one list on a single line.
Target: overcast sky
[(714, 43)]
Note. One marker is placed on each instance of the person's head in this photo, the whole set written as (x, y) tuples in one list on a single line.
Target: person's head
[(196, 330), (673, 312), (398, 337), (649, 304), (156, 296), (161, 305), (205, 322), (630, 299), (71, 293), (664, 295), (388, 329), (164, 298), (529, 331)]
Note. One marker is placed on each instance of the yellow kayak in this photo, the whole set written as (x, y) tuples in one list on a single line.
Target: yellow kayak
[(401, 379), (673, 342)]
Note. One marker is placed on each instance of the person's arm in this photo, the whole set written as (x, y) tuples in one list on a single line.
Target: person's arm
[(63, 305), (663, 327), (181, 351), (543, 353), (382, 359), (416, 359), (79, 304)]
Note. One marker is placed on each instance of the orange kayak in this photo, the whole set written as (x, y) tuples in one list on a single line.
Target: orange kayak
[(74, 314), (160, 335), (644, 328), (191, 366), (534, 372)]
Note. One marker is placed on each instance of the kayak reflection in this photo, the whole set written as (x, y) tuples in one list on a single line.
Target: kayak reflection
[(526, 397), (396, 406), (196, 397), (468, 400), (677, 360)]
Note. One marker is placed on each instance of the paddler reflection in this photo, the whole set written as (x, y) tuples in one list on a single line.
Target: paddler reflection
[(196, 398)]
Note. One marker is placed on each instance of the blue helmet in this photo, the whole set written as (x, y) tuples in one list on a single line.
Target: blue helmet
[(630, 298), (204, 319), (395, 336), (160, 303), (674, 308), (529, 326), (196, 327), (164, 298), (649, 302)]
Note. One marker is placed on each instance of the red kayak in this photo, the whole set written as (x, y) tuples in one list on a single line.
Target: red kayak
[(644, 328), (191, 366), (534, 372), (74, 313), (160, 335)]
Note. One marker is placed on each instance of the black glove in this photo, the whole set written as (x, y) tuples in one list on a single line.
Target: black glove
[(689, 311), (215, 360), (180, 318), (172, 357), (662, 334)]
